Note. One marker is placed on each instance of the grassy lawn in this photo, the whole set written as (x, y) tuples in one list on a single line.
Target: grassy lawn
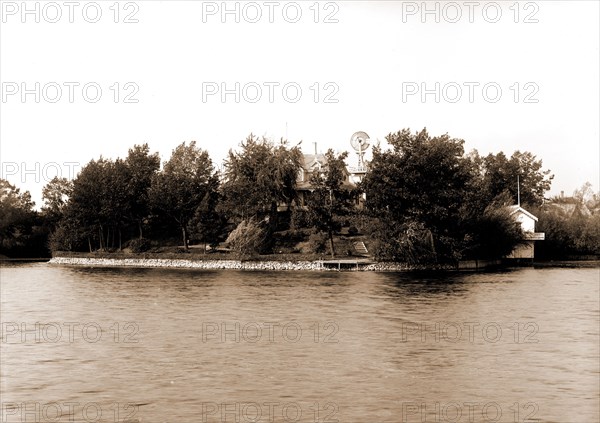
[(296, 252)]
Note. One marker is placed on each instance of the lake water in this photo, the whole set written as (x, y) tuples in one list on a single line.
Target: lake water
[(154, 345)]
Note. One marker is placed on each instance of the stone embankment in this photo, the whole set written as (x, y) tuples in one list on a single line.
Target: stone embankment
[(227, 264), (189, 264)]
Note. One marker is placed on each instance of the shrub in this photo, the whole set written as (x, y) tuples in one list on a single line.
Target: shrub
[(317, 243), (249, 238), (495, 234), (140, 245), (352, 230), (300, 219), (66, 237), (409, 242)]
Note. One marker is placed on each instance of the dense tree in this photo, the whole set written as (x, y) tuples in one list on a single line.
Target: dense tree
[(571, 225), (417, 189), (208, 225), (500, 173), (86, 203), (141, 167), (421, 177), (491, 234), (426, 201), (331, 196), (259, 177), (98, 205), (55, 195), (186, 179), (434, 203), (115, 202), (17, 219)]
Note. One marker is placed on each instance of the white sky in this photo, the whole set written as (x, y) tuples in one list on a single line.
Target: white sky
[(373, 49)]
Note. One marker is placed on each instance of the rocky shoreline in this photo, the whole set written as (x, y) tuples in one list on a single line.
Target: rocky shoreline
[(235, 264)]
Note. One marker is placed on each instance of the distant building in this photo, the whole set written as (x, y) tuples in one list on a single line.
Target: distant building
[(527, 222), (569, 207), (310, 163), (316, 162)]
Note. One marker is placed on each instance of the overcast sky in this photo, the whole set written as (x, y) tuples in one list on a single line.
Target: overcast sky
[(524, 76)]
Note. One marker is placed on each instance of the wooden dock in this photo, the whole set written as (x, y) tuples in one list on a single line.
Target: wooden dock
[(347, 264)]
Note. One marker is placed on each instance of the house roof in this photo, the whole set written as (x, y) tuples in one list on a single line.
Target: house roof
[(516, 208), (309, 161), (571, 208)]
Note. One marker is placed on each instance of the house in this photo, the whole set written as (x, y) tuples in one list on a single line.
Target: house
[(310, 163), (316, 162), (569, 207), (527, 222)]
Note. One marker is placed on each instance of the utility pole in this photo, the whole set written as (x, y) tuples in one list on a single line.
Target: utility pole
[(518, 192)]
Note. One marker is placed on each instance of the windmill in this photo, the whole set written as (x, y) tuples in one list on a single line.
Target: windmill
[(360, 141)]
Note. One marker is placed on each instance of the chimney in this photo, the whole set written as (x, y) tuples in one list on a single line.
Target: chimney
[(315, 148), (562, 194)]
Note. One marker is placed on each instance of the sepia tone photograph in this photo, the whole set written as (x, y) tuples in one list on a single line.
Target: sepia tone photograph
[(301, 211)]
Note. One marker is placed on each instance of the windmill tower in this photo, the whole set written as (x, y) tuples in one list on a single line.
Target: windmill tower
[(360, 142)]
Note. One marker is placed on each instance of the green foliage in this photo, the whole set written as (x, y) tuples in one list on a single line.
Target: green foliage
[(56, 195), (567, 234), (20, 231), (499, 175), (208, 225), (16, 218), (331, 196), (408, 242), (426, 202), (249, 237), (179, 190), (258, 178), (300, 219), (67, 236), (493, 234), (141, 167), (422, 178), (317, 242), (417, 190), (98, 205), (140, 245), (434, 204)]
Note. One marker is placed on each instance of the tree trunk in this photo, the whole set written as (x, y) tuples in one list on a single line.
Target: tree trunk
[(89, 244), (431, 241), (273, 217), (140, 228), (120, 243), (184, 233), (101, 237), (331, 244)]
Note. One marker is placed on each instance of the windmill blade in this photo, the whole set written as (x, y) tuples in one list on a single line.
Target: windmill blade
[(360, 141)]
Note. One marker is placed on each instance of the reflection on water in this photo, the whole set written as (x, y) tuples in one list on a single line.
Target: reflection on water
[(162, 345)]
